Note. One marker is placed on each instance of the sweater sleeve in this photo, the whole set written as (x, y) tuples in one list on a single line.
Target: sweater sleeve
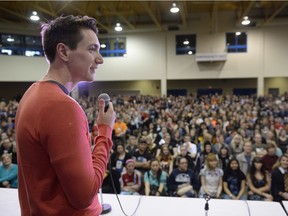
[(66, 141)]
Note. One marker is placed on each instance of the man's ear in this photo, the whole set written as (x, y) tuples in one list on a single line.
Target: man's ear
[(62, 51)]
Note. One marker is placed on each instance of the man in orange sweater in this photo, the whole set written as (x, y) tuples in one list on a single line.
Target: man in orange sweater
[(58, 175)]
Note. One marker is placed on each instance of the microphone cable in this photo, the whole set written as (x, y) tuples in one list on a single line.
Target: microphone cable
[(248, 208), (115, 191)]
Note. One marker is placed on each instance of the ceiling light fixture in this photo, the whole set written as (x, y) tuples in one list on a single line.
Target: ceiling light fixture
[(34, 16), (118, 27), (246, 20), (238, 33), (174, 8)]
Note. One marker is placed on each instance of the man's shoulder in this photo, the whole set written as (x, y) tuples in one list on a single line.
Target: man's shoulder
[(240, 155)]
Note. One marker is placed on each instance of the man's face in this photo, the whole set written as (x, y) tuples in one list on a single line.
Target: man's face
[(183, 150), (7, 144), (84, 60), (247, 147), (142, 146), (258, 139), (183, 164)]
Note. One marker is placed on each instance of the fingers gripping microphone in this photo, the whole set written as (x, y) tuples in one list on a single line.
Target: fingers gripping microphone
[(106, 98), (106, 208)]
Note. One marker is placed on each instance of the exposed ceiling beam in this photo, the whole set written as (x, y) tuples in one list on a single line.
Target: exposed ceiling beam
[(245, 12), (98, 23), (123, 18), (153, 14), (14, 13), (213, 21), (51, 7), (63, 6), (43, 10), (6, 20), (274, 14), (183, 13)]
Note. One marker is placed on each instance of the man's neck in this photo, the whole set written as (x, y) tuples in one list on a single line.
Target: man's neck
[(60, 75)]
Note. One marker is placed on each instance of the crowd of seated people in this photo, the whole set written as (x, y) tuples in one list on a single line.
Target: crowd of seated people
[(8, 155), (224, 146)]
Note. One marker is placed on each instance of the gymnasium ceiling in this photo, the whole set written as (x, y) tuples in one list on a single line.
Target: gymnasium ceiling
[(145, 15)]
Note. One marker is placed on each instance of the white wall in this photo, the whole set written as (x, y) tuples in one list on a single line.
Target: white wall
[(22, 68), (275, 45), (145, 59)]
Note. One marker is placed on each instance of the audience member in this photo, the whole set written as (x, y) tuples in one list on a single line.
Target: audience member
[(211, 178), (159, 139), (131, 179), (8, 147), (152, 147), (119, 157), (193, 163), (259, 181), (119, 129), (279, 177), (155, 180), (165, 159), (108, 185), (131, 145), (207, 150), (142, 156), (223, 157), (245, 158), (282, 140), (234, 181), (182, 181), (192, 148), (8, 172), (219, 143), (270, 158), (236, 144), (258, 146)]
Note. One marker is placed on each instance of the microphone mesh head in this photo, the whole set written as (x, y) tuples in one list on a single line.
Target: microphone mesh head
[(106, 98)]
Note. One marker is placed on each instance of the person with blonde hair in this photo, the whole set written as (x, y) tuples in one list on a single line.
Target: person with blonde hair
[(211, 178), (279, 176), (237, 144)]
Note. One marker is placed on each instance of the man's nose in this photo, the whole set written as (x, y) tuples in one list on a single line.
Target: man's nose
[(99, 59)]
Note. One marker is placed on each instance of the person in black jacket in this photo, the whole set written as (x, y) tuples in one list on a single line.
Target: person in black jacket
[(278, 190)]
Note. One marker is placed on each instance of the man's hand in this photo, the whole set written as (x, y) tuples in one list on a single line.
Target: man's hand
[(108, 117)]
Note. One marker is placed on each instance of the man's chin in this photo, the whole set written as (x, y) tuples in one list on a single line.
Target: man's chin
[(91, 78)]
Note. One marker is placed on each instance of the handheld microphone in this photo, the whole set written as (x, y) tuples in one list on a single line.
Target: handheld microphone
[(106, 208), (106, 98)]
